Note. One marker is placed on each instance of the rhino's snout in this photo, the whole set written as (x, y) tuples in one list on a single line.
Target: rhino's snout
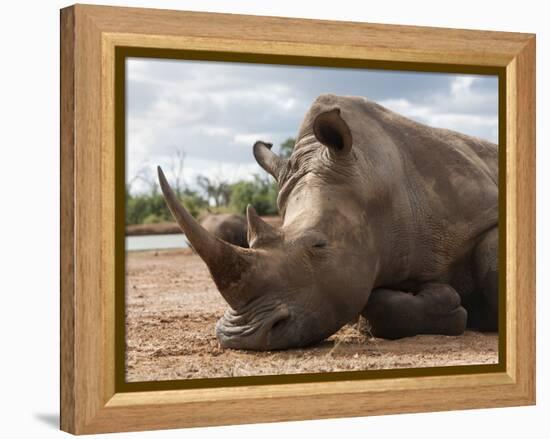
[(256, 329)]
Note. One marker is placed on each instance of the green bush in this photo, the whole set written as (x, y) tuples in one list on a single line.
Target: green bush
[(153, 218), (151, 208), (261, 193), (286, 148), (194, 203)]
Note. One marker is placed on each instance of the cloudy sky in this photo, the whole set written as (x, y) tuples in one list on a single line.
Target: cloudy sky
[(215, 111)]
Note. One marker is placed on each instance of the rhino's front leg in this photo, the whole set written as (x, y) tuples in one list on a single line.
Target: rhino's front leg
[(435, 309)]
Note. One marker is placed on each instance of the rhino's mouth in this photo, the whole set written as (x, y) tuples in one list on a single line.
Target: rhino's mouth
[(258, 326)]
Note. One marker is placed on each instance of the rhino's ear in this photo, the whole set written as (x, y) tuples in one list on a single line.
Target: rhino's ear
[(267, 159), (333, 131)]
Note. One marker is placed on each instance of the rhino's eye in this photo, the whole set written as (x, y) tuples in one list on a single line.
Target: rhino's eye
[(313, 240), (320, 244)]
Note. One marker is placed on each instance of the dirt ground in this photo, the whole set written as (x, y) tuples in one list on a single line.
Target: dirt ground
[(173, 305)]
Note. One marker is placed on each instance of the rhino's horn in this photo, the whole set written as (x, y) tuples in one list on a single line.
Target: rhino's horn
[(227, 263), (267, 159), (258, 231)]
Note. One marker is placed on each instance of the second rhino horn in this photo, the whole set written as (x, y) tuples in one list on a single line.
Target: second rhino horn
[(258, 231)]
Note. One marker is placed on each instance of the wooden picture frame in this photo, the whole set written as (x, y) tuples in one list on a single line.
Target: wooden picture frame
[(91, 400)]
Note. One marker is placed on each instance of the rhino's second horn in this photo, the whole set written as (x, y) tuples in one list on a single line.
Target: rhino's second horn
[(258, 231)]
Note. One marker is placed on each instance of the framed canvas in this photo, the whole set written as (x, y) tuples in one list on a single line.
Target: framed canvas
[(145, 347)]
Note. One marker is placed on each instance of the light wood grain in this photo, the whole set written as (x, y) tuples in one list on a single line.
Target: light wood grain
[(523, 253), (89, 37), (107, 217), (67, 253), (512, 212), (89, 322), (373, 41)]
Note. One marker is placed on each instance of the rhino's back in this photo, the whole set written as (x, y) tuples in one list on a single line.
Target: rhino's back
[(411, 150), (375, 128), (449, 180)]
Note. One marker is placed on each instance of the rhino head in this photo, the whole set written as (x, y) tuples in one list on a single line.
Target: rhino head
[(298, 284)]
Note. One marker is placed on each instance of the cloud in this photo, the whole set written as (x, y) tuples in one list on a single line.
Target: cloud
[(248, 139), (216, 111), (462, 108)]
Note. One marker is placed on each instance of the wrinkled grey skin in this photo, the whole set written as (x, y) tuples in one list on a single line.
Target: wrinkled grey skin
[(382, 216), (227, 226)]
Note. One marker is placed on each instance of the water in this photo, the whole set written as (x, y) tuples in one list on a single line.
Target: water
[(155, 242)]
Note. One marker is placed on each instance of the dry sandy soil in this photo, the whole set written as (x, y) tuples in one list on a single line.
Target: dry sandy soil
[(173, 305)]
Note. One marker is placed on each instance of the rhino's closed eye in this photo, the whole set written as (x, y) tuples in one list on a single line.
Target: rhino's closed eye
[(315, 240), (312, 240)]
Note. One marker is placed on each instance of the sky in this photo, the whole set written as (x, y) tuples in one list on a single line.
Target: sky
[(215, 111)]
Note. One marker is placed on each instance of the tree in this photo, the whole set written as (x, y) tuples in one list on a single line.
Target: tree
[(261, 193), (146, 208), (151, 208), (218, 191), (176, 167), (193, 202), (146, 176), (286, 148)]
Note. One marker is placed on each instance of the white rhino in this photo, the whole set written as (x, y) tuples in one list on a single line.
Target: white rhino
[(382, 216)]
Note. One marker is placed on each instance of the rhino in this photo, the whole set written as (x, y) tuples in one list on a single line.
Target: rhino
[(382, 217), (229, 227)]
